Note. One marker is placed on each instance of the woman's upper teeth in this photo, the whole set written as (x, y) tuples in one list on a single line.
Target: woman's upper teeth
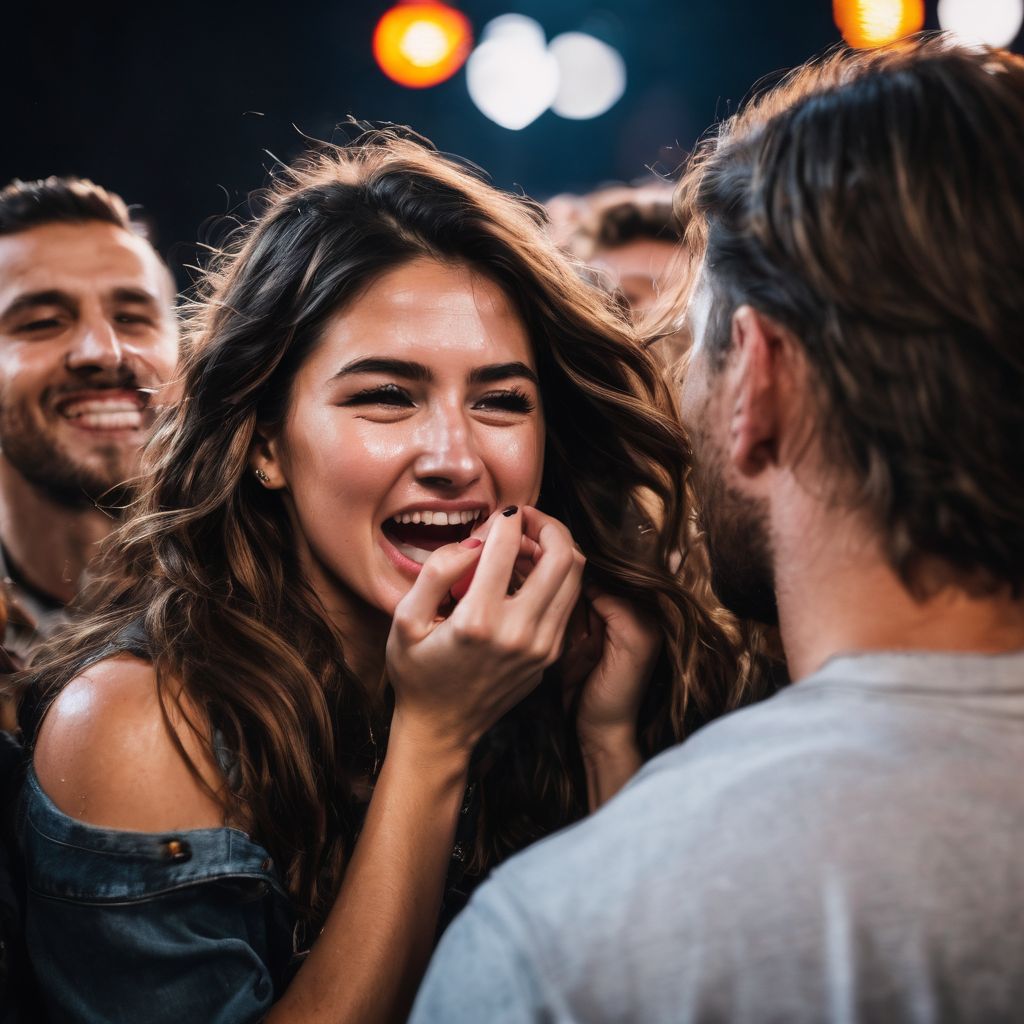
[(431, 518)]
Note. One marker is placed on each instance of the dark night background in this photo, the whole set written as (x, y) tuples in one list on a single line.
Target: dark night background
[(173, 105)]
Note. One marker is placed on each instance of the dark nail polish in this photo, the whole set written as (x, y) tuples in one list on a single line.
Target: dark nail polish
[(510, 511)]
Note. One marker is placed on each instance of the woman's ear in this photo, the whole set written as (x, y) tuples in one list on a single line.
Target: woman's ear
[(265, 462)]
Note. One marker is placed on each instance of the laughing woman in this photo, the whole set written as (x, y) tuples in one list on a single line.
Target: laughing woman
[(405, 422)]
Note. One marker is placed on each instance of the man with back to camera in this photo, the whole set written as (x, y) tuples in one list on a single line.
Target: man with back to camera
[(87, 338), (848, 850)]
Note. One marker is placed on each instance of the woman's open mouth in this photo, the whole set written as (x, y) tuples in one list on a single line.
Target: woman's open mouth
[(416, 534)]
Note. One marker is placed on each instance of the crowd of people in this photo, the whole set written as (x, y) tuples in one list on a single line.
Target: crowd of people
[(343, 596)]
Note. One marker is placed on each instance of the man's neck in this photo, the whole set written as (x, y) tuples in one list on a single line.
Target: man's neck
[(50, 544), (838, 595)]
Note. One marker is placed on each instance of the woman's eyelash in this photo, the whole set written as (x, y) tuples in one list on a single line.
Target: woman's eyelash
[(511, 399), (385, 394)]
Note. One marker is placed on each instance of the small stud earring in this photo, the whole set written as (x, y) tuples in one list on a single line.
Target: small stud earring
[(262, 477)]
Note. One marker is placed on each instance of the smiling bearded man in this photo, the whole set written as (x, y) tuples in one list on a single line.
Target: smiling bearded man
[(87, 338)]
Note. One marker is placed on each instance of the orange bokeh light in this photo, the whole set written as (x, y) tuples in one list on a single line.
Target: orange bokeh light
[(866, 24), (420, 43)]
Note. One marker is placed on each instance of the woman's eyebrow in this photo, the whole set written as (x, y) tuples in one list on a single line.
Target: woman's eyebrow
[(501, 371), (402, 368), (407, 370)]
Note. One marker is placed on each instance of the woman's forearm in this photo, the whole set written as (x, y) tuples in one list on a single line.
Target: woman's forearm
[(369, 959)]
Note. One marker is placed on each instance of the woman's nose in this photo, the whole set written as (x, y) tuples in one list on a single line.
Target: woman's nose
[(448, 454)]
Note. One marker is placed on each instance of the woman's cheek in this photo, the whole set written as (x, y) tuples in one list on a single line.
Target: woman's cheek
[(373, 445), (517, 464)]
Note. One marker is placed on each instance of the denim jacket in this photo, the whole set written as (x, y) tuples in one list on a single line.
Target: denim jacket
[(145, 928)]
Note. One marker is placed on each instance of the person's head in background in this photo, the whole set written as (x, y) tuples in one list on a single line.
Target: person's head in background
[(854, 390), (87, 330), (636, 243), (628, 238), (627, 234), (87, 338)]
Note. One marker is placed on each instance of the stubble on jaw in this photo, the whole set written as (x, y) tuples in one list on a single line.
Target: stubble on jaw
[(735, 530), (73, 482)]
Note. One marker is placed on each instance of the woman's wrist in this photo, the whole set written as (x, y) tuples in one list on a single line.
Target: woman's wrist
[(611, 757), (608, 765), (608, 742), (423, 747)]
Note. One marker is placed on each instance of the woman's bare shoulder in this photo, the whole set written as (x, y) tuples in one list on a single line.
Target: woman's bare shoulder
[(106, 755)]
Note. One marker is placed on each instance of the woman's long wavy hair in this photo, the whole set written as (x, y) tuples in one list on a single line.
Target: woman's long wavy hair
[(206, 563)]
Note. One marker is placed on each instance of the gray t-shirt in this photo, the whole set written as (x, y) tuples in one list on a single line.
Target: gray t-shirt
[(850, 850)]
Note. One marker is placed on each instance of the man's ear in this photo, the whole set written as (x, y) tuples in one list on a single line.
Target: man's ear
[(265, 461), (755, 421)]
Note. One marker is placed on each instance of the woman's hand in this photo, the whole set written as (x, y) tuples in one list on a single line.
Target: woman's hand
[(607, 665), (455, 677), (622, 646)]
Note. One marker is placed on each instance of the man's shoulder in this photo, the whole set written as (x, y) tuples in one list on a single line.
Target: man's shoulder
[(677, 802), (763, 790)]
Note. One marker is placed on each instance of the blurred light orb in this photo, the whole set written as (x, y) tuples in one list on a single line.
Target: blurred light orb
[(515, 26), (866, 24), (592, 76), (511, 76), (989, 22), (420, 43)]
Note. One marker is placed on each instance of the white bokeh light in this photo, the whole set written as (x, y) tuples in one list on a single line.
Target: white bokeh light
[(515, 26), (993, 22), (592, 76), (511, 76)]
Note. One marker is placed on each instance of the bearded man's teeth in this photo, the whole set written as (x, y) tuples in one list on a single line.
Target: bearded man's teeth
[(416, 554), (105, 414), (110, 420)]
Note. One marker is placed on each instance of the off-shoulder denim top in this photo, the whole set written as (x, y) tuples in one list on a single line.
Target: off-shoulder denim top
[(142, 927), (146, 928)]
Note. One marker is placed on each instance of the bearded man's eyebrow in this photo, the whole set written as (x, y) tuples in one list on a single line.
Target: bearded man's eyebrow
[(138, 296), (48, 297)]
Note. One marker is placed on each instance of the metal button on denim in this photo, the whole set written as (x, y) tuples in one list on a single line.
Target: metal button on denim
[(178, 850)]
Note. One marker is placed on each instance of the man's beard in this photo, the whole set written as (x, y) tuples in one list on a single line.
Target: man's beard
[(40, 459), (736, 535)]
